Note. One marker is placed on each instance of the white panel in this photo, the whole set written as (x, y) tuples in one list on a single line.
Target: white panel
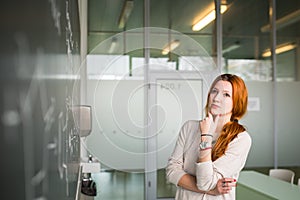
[(101, 65), (288, 123), (117, 139), (177, 101), (259, 124)]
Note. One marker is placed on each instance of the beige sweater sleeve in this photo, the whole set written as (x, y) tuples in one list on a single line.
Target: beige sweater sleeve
[(228, 165)]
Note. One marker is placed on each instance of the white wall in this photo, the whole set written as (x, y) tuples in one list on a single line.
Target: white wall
[(260, 124)]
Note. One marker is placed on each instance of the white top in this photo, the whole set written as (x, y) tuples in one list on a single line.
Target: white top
[(184, 161)]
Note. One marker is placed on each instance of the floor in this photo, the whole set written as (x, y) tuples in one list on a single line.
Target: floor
[(118, 185)]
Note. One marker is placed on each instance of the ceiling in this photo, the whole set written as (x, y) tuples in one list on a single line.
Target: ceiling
[(242, 24)]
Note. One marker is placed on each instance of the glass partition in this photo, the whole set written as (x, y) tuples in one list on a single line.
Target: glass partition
[(287, 41), (247, 53), (118, 91), (244, 42), (115, 90), (288, 87), (177, 98), (243, 45)]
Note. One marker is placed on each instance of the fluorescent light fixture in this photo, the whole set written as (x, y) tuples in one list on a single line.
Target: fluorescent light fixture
[(113, 45), (170, 47), (231, 47), (284, 21), (126, 11), (280, 49), (208, 18)]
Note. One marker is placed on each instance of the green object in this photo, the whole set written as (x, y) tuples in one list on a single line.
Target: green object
[(254, 185)]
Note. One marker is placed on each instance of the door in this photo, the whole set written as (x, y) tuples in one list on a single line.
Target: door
[(173, 99)]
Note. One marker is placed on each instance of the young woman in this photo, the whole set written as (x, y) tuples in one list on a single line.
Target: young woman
[(209, 154)]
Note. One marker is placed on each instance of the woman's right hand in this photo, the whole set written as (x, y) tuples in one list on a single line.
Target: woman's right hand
[(209, 124)]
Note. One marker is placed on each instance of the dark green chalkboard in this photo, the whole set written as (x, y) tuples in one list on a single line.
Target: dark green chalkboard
[(39, 60)]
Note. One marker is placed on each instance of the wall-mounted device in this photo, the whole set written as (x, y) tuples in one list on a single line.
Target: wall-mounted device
[(83, 119)]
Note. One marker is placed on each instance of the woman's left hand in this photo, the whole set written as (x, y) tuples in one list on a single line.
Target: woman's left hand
[(224, 186)]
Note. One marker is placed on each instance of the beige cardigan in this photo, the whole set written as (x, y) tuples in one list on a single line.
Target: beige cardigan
[(184, 161)]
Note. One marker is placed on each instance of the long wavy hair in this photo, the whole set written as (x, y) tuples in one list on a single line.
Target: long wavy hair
[(232, 128)]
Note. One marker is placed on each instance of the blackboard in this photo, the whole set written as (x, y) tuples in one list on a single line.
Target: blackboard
[(39, 60)]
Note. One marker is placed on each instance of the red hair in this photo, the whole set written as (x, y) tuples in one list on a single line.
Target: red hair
[(232, 128)]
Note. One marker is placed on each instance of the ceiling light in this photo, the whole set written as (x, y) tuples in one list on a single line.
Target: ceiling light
[(208, 18), (284, 21), (170, 47), (113, 45), (236, 45), (126, 11), (280, 49)]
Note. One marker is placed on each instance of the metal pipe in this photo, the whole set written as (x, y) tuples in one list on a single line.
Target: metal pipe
[(218, 36), (272, 15)]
